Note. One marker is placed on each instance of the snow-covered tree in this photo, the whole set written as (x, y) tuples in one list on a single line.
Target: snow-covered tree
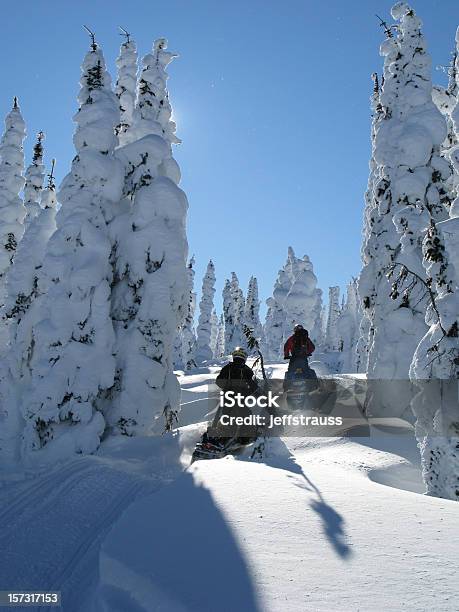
[(153, 111), (12, 211), (370, 243), (348, 328), (436, 359), (228, 316), (296, 299), (220, 342), (23, 280), (303, 303), (73, 364), (184, 345), (275, 317), (332, 338), (238, 338), (233, 314), (204, 351), (34, 177), (125, 88), (252, 310), (22, 312), (188, 335), (435, 363), (150, 298), (407, 138), (214, 331)]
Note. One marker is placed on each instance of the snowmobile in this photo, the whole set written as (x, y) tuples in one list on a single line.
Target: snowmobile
[(208, 448), (300, 380)]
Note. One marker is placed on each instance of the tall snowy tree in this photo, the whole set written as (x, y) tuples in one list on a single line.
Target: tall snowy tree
[(187, 332), (303, 303), (252, 311), (150, 295), (228, 318), (12, 211), (153, 111), (348, 328), (125, 88), (406, 149), (220, 342), (238, 338), (295, 299), (34, 177), (370, 244), (214, 332), (275, 317), (24, 277), (437, 356), (204, 350), (332, 338), (23, 311), (73, 363)]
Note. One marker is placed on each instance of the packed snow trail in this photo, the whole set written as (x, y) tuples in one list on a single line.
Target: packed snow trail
[(52, 526)]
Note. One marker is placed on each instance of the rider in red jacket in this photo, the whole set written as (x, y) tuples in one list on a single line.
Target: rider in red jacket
[(299, 345)]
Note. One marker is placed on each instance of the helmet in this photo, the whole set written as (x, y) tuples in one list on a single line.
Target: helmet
[(239, 353), (298, 327)]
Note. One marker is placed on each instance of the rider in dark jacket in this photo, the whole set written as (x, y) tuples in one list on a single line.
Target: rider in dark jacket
[(235, 376)]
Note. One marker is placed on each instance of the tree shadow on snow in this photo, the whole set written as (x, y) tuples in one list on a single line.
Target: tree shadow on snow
[(178, 543), (333, 523)]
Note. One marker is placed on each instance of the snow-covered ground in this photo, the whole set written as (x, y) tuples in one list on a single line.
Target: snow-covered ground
[(318, 524)]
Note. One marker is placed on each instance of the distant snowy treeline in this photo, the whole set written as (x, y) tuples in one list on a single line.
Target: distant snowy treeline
[(296, 299)]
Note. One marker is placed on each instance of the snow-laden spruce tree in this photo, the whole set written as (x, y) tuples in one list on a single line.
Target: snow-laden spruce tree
[(435, 363), (188, 336), (228, 317), (34, 177), (303, 302), (73, 362), (220, 343), (233, 314), (214, 334), (405, 148), (24, 278), (125, 88), (153, 111), (369, 254), (437, 360), (295, 299), (150, 297), (204, 350), (275, 317), (12, 211), (446, 99), (332, 336), (184, 345), (252, 311), (238, 337), (23, 311), (348, 328)]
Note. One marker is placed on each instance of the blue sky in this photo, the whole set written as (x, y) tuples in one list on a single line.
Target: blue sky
[(272, 104)]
